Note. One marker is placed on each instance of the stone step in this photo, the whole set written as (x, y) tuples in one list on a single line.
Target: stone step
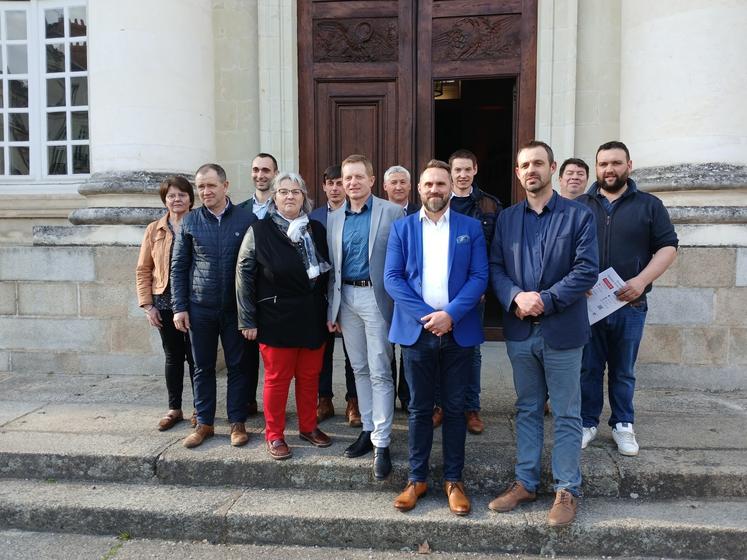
[(692, 528)]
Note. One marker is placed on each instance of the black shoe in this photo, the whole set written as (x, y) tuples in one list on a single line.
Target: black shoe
[(382, 463), (361, 446)]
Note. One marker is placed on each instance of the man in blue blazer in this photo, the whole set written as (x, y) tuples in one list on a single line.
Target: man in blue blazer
[(436, 271), (543, 260)]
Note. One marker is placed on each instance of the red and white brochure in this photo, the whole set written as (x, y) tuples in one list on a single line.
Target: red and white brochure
[(603, 299)]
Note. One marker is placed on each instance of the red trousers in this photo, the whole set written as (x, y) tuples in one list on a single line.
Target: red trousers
[(281, 366)]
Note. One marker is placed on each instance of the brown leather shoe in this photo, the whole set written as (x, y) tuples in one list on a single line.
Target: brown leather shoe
[(475, 425), (325, 409), (193, 420), (563, 511), (169, 421), (353, 414), (317, 438), (410, 495), (252, 409), (239, 436), (201, 433), (279, 450), (514, 495), (458, 500), (438, 416)]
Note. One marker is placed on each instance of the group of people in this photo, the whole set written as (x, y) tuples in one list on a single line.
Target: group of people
[(274, 277)]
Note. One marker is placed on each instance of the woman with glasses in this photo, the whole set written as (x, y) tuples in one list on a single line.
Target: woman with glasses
[(154, 294), (281, 289)]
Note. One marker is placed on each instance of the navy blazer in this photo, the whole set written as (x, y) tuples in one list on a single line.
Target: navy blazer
[(468, 278), (569, 269), (320, 214)]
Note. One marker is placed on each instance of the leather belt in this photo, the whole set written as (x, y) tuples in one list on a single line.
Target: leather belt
[(358, 283)]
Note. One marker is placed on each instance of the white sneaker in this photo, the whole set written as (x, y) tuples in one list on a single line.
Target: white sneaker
[(624, 437), (589, 434)]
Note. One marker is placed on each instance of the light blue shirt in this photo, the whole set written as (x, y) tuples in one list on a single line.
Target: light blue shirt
[(355, 242)]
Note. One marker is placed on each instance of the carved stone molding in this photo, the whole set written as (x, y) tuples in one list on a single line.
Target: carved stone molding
[(476, 38), (356, 40)]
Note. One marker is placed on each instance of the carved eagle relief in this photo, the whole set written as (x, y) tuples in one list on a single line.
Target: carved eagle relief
[(475, 38), (356, 40)]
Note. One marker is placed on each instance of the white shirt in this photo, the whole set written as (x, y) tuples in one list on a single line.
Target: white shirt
[(435, 260)]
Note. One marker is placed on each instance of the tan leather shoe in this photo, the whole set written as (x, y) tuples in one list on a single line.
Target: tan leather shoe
[(563, 511), (279, 450), (410, 495), (239, 436), (353, 414), (458, 500), (169, 421), (317, 438), (514, 495), (325, 409), (475, 425), (201, 433), (438, 416)]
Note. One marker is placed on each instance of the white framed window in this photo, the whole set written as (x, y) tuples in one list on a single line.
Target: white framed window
[(44, 128)]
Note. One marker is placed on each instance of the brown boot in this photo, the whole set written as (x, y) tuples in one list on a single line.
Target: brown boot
[(352, 413), (458, 500), (410, 495), (563, 511), (438, 416), (513, 496), (239, 436), (169, 421), (475, 425), (193, 420), (325, 409), (201, 433)]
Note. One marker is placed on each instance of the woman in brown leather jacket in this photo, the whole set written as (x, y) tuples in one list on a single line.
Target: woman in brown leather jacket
[(154, 294)]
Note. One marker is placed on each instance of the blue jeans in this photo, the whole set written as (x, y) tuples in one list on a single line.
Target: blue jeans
[(614, 344), (429, 360), (207, 324), (540, 370)]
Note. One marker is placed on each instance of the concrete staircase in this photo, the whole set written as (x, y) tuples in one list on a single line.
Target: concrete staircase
[(80, 454)]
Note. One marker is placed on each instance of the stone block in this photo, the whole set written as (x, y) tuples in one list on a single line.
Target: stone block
[(671, 277), (8, 303), (680, 306), (49, 334), (117, 264), (706, 267), (46, 362), (738, 347), (123, 364), (686, 376), (731, 307), (661, 345), (105, 299), (134, 336), (705, 346), (4, 361), (47, 298), (741, 275), (51, 264)]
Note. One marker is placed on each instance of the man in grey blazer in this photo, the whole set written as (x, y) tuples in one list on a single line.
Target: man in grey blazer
[(357, 235)]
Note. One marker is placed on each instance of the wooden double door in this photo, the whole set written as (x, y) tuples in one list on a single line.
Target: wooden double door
[(369, 73)]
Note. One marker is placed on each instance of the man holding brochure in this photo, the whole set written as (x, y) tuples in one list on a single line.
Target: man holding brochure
[(637, 239)]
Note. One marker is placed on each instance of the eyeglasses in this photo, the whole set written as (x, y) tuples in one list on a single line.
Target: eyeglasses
[(286, 192), (174, 196)]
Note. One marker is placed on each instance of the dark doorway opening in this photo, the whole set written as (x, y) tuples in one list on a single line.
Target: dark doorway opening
[(478, 115)]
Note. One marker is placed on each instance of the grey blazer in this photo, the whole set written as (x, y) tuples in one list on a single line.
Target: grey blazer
[(383, 213)]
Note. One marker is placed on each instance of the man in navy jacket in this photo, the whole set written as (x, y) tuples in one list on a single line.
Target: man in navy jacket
[(543, 260), (436, 272), (203, 272)]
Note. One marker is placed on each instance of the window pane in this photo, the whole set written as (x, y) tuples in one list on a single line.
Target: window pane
[(15, 25), (56, 58), (78, 57), (17, 59), (57, 160), (19, 93), (77, 21), (19, 160), (79, 91), (80, 159), (56, 126), (2, 135), (55, 22), (18, 127), (79, 124), (56, 92), (2, 161)]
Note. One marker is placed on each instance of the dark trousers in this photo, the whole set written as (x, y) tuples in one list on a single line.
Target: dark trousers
[(402, 390), (250, 365), (177, 350), (429, 360), (207, 325), (325, 376)]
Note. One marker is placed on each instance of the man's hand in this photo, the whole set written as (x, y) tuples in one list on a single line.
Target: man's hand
[(632, 290), (249, 334), (181, 321), (438, 322), (529, 304), (154, 317), (333, 326)]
